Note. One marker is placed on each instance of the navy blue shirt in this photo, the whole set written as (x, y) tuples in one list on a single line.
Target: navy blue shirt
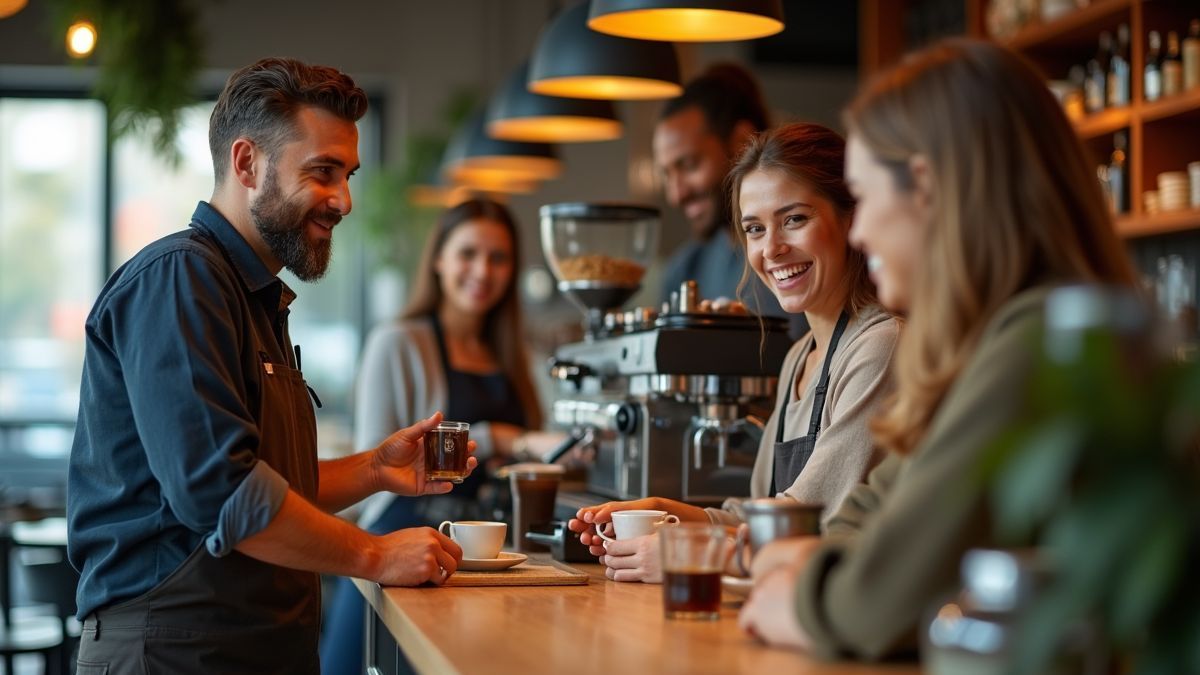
[(164, 458)]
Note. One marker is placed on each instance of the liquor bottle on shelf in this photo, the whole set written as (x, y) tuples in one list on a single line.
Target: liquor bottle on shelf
[(1118, 69), (1118, 174), (1096, 87), (1152, 76), (1073, 103), (1191, 56), (1172, 67)]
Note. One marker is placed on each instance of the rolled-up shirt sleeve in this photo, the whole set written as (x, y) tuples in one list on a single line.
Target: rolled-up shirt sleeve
[(188, 392), (248, 509)]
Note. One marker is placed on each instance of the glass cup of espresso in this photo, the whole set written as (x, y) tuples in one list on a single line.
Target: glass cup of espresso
[(446, 452), (693, 556)]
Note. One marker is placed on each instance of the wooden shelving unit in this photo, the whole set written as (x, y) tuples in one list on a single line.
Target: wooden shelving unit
[(1164, 135)]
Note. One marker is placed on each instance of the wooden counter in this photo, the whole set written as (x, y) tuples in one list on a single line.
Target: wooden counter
[(604, 627)]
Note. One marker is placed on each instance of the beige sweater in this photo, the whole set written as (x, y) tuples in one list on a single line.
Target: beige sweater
[(844, 453)]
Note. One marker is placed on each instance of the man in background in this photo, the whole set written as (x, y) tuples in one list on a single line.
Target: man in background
[(697, 138)]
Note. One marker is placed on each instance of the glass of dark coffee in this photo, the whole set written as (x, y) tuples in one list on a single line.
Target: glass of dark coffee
[(446, 452), (693, 556)]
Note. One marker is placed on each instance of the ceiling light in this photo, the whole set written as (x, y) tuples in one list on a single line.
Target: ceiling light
[(575, 61), (687, 20), (517, 114), (10, 7), (81, 39), (474, 158)]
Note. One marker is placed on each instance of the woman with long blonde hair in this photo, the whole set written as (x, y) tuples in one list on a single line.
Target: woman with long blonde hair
[(975, 200)]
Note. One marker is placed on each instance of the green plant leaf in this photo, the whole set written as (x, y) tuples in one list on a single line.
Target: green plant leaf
[(1034, 479), (1153, 570), (149, 53)]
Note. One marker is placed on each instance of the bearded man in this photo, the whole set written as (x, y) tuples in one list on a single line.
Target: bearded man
[(198, 514)]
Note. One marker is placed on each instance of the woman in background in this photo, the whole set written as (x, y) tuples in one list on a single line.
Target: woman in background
[(975, 200), (792, 215), (458, 347)]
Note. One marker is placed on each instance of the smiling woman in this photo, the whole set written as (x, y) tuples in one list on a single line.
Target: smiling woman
[(792, 214), (457, 349)]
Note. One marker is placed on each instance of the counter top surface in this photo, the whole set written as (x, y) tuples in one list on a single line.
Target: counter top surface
[(603, 627)]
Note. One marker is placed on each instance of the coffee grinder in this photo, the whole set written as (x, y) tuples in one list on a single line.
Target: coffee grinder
[(664, 401)]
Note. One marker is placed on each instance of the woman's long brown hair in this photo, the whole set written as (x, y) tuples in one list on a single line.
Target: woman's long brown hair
[(503, 328), (1015, 202)]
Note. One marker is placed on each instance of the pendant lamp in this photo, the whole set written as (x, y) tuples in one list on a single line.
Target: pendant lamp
[(687, 20), (10, 7), (479, 161), (575, 61), (517, 114)]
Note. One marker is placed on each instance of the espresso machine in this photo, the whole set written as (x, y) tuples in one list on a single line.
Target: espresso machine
[(661, 401)]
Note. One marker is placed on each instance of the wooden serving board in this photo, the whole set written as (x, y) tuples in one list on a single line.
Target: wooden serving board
[(529, 573)]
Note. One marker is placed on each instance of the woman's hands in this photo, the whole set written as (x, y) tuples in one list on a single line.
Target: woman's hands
[(398, 464), (588, 516), (634, 559), (770, 612)]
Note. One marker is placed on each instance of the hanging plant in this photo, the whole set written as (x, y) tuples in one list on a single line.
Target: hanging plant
[(390, 216), (149, 53)]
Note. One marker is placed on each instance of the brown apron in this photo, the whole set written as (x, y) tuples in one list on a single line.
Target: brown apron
[(792, 456), (233, 614)]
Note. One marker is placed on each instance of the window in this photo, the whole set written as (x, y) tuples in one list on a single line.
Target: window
[(65, 226)]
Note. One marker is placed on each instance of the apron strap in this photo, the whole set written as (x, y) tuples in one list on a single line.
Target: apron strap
[(814, 423), (781, 413)]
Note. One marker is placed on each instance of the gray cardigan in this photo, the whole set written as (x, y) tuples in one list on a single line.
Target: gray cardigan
[(858, 381), (401, 381)]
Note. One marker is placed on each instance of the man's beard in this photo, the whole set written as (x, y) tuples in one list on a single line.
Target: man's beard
[(721, 215), (282, 224)]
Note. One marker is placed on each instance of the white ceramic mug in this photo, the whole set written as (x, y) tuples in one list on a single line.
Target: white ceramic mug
[(636, 523), (479, 539)]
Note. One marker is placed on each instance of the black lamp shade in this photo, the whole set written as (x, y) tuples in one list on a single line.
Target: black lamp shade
[(479, 161), (687, 20), (575, 61), (518, 114)]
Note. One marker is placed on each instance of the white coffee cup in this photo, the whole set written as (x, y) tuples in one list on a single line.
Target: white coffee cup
[(636, 523), (479, 539)]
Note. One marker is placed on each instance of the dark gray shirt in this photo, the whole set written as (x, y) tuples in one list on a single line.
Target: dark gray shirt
[(716, 265), (164, 458)]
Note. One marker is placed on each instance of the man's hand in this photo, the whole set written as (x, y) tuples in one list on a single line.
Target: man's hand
[(398, 464), (415, 555)]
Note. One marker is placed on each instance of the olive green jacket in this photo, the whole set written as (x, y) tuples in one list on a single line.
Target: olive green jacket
[(894, 547)]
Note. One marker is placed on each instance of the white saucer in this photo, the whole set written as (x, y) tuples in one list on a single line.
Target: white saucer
[(736, 586), (504, 561)]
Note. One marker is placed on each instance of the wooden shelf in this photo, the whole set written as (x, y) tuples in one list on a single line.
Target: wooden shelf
[(1180, 105), (1103, 123), (1162, 136), (1160, 223), (1085, 23)]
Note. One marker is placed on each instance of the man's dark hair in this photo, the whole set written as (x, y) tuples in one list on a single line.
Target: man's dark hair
[(260, 102), (727, 94)]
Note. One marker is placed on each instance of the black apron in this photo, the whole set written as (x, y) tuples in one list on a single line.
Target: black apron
[(791, 456), (233, 614)]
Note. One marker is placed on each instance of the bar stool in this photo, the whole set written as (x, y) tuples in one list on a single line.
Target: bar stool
[(41, 548), (21, 633)]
